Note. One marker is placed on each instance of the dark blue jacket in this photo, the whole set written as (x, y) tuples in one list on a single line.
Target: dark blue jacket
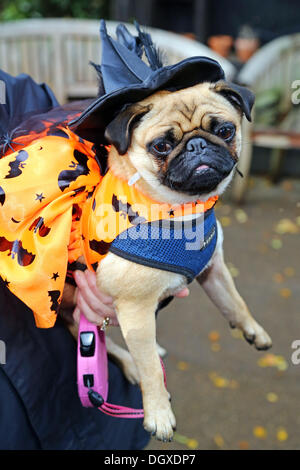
[(39, 404)]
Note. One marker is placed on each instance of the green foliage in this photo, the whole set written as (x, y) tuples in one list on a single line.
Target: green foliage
[(19, 9)]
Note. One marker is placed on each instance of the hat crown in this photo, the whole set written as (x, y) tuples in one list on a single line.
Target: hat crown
[(121, 63), (127, 79)]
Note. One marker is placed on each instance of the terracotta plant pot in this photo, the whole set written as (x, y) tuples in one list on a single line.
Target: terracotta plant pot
[(245, 48), (190, 36), (221, 44)]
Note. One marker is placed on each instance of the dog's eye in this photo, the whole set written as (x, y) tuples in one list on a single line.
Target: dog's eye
[(161, 148), (225, 132)]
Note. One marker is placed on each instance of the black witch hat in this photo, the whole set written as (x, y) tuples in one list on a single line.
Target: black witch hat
[(127, 79)]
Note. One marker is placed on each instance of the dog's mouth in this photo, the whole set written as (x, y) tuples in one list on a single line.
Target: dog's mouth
[(206, 170), (201, 169), (198, 177)]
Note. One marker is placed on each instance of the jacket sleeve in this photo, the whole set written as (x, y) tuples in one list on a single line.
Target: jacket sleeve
[(22, 96)]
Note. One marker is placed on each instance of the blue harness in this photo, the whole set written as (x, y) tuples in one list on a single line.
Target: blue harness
[(180, 247)]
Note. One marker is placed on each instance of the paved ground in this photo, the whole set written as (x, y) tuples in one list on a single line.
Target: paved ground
[(225, 394)]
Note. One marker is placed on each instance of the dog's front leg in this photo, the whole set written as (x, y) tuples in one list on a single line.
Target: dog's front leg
[(217, 282), (137, 322)]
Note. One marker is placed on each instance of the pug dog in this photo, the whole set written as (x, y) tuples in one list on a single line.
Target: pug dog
[(185, 146)]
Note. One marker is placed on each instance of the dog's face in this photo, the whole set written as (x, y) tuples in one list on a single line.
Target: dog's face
[(186, 141)]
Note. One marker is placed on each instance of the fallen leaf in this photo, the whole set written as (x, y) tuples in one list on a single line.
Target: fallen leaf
[(271, 360), (182, 365), (219, 441), (214, 336), (236, 333), (181, 439), (272, 397), (281, 434), (233, 270), (286, 226), (222, 382), (276, 243), (215, 347), (192, 444), (277, 277), (225, 221), (241, 216), (243, 445), (285, 292), (289, 271), (260, 432)]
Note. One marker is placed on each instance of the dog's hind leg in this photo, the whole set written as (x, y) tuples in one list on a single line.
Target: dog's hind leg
[(217, 282)]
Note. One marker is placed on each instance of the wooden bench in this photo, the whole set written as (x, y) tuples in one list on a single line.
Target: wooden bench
[(58, 51)]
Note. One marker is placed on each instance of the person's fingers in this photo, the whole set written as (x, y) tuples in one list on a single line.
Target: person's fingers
[(87, 282), (90, 301), (90, 297), (91, 279), (85, 309), (76, 315), (183, 293)]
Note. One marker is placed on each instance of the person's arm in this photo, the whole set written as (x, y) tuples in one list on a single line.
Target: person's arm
[(89, 300)]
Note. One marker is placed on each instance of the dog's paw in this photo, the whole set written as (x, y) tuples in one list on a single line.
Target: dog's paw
[(254, 334), (161, 422)]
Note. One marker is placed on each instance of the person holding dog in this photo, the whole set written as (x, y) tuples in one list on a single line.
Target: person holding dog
[(185, 121)]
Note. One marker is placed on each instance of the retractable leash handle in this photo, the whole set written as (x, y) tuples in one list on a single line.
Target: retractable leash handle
[(92, 372), (92, 362)]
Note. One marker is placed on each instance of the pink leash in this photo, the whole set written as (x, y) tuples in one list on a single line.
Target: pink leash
[(92, 372)]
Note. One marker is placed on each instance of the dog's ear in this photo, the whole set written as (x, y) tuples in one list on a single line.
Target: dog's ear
[(119, 131), (239, 96)]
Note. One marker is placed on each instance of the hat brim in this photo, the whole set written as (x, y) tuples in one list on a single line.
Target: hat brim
[(91, 124)]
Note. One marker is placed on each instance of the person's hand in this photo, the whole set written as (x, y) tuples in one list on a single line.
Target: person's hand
[(96, 305), (91, 302)]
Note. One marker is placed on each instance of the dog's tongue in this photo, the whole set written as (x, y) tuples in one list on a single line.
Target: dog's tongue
[(202, 168)]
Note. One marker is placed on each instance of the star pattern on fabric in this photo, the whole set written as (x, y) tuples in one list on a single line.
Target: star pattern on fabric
[(39, 197), (55, 276), (171, 213)]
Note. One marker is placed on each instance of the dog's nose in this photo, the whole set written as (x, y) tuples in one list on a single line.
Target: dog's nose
[(196, 144)]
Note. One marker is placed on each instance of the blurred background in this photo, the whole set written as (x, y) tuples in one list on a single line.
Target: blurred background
[(225, 394)]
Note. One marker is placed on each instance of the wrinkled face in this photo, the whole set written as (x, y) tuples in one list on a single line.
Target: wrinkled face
[(189, 140)]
